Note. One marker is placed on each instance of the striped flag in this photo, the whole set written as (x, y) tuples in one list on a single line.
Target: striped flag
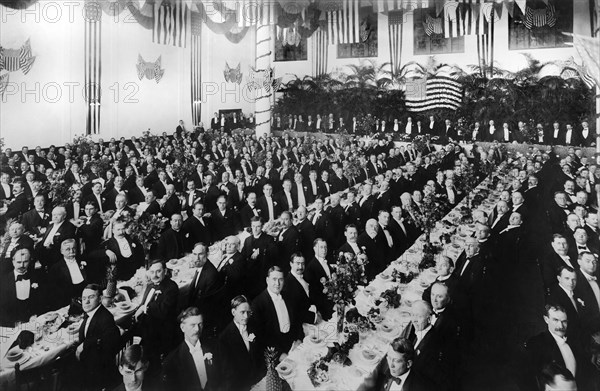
[(453, 24), (438, 92), (321, 51), (196, 66), (589, 51), (344, 24), (395, 23), (14, 59), (170, 22)]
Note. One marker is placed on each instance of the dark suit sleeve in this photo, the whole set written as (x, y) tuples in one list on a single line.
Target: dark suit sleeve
[(162, 306), (107, 338)]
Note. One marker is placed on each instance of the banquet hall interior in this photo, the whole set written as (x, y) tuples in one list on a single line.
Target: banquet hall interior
[(299, 195)]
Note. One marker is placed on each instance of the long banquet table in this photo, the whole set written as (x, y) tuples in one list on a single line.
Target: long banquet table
[(394, 320), (56, 341)]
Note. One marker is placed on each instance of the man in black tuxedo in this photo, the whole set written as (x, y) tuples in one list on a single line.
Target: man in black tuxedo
[(321, 221), (240, 350), (552, 345), (171, 244), (90, 230), (499, 219), (22, 292), (274, 318), (433, 127), (299, 293), (337, 216), (170, 202), (317, 269), (587, 289), (556, 257), (367, 204), (444, 268), (195, 228), (433, 351), (374, 247), (99, 341), (222, 221), (67, 277), (37, 218), (232, 268), (192, 195), (285, 197), (48, 248), (395, 371), (19, 203), (193, 365), (306, 231), (403, 233), (260, 253), (288, 241), (207, 291), (248, 211), (156, 315), (16, 239), (563, 294)]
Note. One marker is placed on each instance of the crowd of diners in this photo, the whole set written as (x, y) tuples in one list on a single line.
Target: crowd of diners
[(212, 335), (551, 133)]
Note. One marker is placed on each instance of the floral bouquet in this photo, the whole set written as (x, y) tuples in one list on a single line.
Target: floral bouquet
[(147, 229), (58, 191), (390, 297), (318, 372), (349, 274), (357, 322), (433, 209), (403, 277)]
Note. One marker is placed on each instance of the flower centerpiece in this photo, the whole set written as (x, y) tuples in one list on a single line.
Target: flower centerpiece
[(318, 372), (433, 209), (146, 229), (390, 297), (341, 287)]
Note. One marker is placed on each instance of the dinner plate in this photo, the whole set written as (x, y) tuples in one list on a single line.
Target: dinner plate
[(313, 340), (368, 355), (286, 368)]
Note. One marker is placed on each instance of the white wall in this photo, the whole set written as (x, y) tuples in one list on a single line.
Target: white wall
[(129, 105)]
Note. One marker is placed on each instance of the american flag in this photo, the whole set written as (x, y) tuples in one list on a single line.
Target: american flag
[(170, 22), (344, 24), (396, 24), (196, 66), (321, 50), (433, 93)]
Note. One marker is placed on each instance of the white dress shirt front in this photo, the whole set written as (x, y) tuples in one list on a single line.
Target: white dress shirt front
[(283, 316)]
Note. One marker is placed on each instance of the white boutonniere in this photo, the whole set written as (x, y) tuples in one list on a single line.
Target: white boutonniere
[(34, 285), (208, 357), (82, 265), (133, 245), (187, 235), (274, 202), (251, 337), (230, 261), (56, 234), (157, 292), (581, 302)]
